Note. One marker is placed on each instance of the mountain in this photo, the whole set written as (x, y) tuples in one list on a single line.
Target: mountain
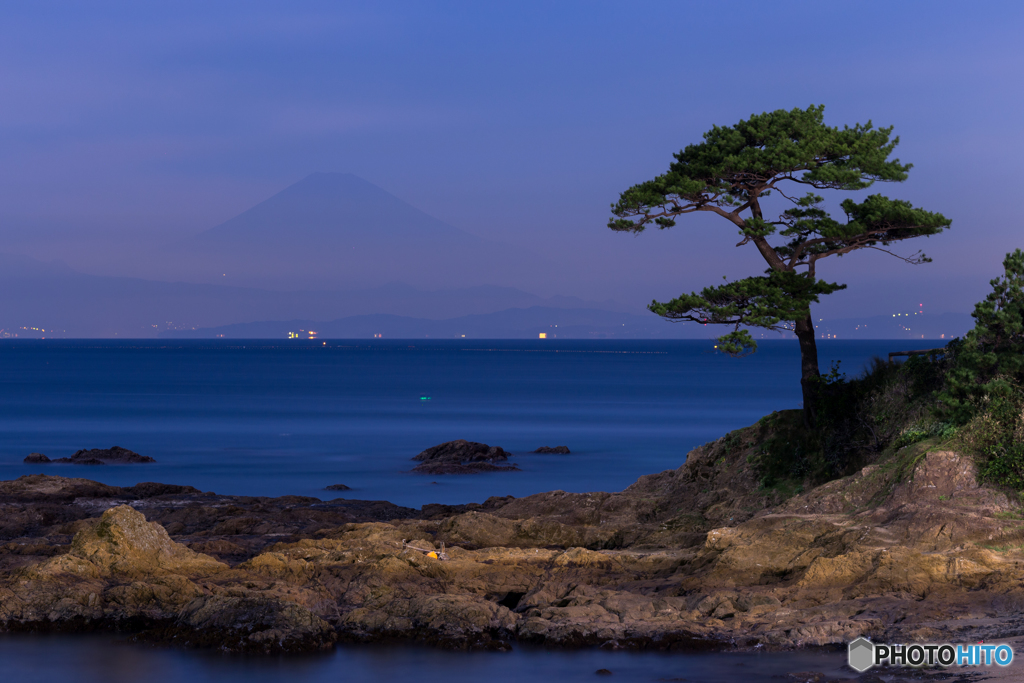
[(333, 230), (514, 323), (51, 297)]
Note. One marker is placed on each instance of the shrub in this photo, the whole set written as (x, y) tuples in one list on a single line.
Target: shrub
[(995, 435)]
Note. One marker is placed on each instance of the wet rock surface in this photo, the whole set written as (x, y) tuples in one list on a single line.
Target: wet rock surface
[(463, 457), (688, 559), (94, 456)]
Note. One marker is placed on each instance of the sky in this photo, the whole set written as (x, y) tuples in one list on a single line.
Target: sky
[(127, 125)]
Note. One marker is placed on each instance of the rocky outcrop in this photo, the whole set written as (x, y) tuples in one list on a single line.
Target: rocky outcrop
[(693, 558), (94, 456), (463, 457), (337, 487), (50, 510), (556, 450), (125, 570)]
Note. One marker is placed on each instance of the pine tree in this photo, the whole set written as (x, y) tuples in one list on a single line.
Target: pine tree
[(731, 174), (988, 363)]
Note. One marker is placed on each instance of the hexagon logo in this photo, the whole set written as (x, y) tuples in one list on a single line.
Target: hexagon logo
[(861, 655)]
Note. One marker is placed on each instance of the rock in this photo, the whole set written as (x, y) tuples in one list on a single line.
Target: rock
[(603, 672), (125, 543), (463, 457), (337, 487), (251, 624), (558, 450), (152, 489), (806, 677), (102, 456), (36, 458)]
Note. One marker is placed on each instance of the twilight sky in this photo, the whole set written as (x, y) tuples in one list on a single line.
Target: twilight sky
[(126, 125)]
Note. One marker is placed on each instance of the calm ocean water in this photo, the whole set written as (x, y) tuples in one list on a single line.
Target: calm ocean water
[(104, 659), (273, 419), (278, 418)]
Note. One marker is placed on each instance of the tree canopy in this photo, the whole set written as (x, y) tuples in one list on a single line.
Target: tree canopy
[(731, 174), (988, 362)]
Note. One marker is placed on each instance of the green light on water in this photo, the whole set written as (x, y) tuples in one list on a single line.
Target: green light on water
[(424, 398)]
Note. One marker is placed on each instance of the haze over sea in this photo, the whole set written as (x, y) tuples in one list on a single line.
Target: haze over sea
[(276, 418)]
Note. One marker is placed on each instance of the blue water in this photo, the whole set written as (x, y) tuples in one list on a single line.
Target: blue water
[(102, 659), (275, 418), (291, 418)]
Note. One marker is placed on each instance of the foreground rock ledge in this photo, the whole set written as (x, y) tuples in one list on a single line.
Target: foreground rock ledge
[(685, 559)]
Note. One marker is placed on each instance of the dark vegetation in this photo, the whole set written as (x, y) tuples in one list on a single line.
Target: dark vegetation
[(968, 396)]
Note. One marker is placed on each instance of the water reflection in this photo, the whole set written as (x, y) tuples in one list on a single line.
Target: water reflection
[(108, 659)]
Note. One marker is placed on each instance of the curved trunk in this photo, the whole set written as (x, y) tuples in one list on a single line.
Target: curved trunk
[(808, 368)]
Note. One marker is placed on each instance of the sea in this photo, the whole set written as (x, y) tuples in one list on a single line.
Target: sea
[(271, 418)]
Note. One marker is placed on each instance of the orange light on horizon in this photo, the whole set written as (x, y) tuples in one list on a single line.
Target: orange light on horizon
[(543, 335)]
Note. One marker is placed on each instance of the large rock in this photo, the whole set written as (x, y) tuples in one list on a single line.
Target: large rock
[(120, 569), (463, 457), (125, 543), (102, 456), (553, 450)]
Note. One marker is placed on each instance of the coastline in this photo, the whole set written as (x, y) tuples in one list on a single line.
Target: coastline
[(693, 559)]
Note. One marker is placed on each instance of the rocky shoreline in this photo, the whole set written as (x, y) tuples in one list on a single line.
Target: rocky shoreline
[(688, 559)]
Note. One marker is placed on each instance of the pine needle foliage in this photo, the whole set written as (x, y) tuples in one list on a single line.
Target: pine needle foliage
[(733, 172)]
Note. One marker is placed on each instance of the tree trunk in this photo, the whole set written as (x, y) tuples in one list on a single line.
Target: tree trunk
[(808, 368)]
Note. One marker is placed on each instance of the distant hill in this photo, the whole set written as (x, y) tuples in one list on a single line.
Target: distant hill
[(65, 303), (52, 300), (568, 323), (334, 230), (514, 323)]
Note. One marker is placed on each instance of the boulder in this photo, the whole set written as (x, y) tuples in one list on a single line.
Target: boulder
[(36, 458), (125, 543), (463, 457)]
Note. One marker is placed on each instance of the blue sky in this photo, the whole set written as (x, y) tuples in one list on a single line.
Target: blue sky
[(123, 125)]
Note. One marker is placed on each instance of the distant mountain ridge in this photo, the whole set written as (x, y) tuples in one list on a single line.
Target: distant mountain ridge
[(565, 323), (324, 207), (513, 323), (53, 297), (336, 230), (334, 247)]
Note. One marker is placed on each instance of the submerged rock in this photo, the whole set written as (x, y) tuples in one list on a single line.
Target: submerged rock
[(557, 450), (337, 487), (463, 457)]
